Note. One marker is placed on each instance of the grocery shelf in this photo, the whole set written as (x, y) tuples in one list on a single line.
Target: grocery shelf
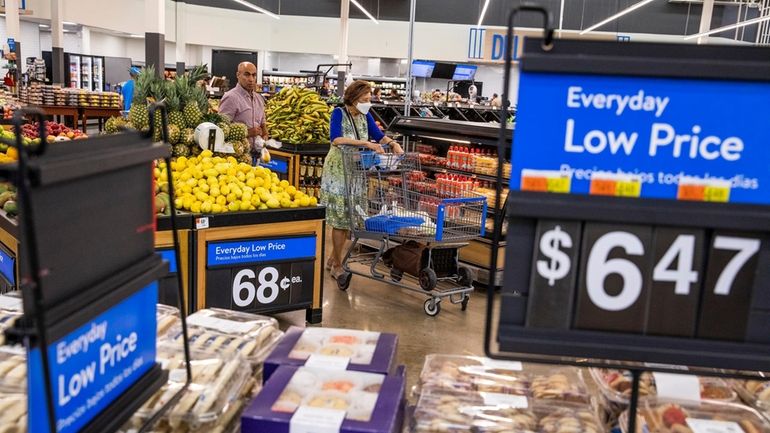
[(450, 130), (438, 169), (263, 216)]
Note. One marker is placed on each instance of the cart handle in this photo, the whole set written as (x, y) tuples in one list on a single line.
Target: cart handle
[(462, 200)]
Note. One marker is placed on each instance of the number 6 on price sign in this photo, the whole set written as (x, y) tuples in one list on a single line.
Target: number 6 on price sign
[(268, 279)]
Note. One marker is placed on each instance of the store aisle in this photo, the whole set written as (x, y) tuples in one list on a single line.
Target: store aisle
[(375, 306)]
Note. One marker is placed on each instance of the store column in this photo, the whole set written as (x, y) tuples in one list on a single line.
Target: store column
[(705, 19), (181, 36), (154, 37), (57, 39), (343, 56)]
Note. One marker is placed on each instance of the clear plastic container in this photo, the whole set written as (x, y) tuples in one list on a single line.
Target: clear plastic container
[(465, 373), (7, 319), (13, 412), (13, 369), (168, 318), (212, 402), (616, 386), (495, 413), (222, 332), (754, 392), (687, 417)]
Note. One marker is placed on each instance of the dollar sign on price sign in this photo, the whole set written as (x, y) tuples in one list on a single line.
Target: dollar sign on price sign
[(558, 264)]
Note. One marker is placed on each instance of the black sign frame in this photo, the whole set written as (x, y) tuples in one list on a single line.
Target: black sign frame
[(526, 210)]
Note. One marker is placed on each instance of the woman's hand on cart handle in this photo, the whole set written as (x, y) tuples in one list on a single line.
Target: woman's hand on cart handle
[(377, 147), (396, 147)]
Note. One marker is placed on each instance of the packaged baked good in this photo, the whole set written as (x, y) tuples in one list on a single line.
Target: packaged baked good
[(13, 413), (497, 413), (371, 352), (455, 373), (360, 402), (13, 369), (754, 392), (168, 317), (687, 417), (213, 400), (218, 332)]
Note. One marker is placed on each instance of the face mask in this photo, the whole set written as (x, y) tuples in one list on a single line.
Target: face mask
[(364, 107)]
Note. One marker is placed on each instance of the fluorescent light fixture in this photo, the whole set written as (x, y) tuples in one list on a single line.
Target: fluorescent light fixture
[(625, 11), (729, 27), (43, 26), (483, 12), (136, 36), (366, 12), (69, 23), (257, 8)]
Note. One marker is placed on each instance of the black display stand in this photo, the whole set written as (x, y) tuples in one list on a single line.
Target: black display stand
[(564, 329), (55, 303)]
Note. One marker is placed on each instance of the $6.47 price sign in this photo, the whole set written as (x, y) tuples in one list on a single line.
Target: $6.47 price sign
[(634, 278), (245, 291)]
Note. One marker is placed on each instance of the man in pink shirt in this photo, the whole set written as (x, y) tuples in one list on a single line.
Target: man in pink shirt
[(242, 104)]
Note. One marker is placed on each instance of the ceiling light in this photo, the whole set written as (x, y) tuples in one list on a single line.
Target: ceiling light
[(43, 26), (729, 27), (257, 8), (136, 36), (366, 12), (625, 11), (483, 12), (69, 23)]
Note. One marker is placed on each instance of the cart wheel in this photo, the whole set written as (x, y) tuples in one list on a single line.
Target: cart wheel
[(432, 307), (396, 275), (464, 303), (428, 279), (343, 281), (465, 276)]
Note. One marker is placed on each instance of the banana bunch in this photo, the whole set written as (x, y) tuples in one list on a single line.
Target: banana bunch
[(296, 115)]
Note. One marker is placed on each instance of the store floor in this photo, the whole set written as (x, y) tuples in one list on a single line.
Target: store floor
[(377, 306)]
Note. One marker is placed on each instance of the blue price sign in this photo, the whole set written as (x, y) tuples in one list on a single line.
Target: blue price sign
[(95, 364), (276, 165), (260, 250), (170, 257), (665, 138), (8, 267)]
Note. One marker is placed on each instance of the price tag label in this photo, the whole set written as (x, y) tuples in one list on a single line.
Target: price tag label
[(677, 386), (221, 325), (505, 400), (327, 362), (711, 426), (545, 181), (201, 223), (316, 420)]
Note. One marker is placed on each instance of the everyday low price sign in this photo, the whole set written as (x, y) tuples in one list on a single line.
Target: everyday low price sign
[(262, 274), (95, 364), (668, 138)]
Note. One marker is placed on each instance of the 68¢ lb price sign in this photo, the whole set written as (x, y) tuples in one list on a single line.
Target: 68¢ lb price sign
[(642, 279)]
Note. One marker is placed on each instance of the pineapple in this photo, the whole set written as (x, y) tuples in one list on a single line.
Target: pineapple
[(157, 129), (246, 159), (138, 114), (181, 150), (174, 134), (114, 124), (238, 132), (188, 136), (225, 127), (193, 113), (174, 105)]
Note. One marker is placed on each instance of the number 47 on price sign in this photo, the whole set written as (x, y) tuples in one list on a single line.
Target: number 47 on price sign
[(642, 279)]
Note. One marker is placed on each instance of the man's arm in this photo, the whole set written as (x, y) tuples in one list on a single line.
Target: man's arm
[(228, 106)]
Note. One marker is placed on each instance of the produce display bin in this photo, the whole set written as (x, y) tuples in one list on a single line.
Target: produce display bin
[(164, 245), (265, 261), (286, 161)]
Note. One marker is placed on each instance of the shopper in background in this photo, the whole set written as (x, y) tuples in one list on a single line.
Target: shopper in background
[(326, 89), (377, 95), (496, 101), (351, 125), (242, 104), (127, 89), (394, 95)]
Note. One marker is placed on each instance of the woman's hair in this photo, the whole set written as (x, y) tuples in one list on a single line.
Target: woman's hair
[(355, 91)]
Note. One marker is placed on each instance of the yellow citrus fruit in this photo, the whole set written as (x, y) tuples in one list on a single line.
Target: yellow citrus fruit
[(245, 205), (206, 154), (204, 188), (231, 197), (221, 200), (273, 203), (225, 189), (216, 208), (285, 203), (313, 201), (195, 207), (304, 201), (206, 207), (291, 190), (214, 191), (246, 196), (284, 183), (187, 189), (255, 200), (262, 206), (234, 206)]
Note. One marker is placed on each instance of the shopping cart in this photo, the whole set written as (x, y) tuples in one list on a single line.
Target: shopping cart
[(392, 203)]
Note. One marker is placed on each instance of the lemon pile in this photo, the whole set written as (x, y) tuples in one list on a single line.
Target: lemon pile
[(209, 184)]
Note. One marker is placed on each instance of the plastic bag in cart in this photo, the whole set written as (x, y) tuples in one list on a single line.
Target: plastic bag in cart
[(391, 224), (386, 161)]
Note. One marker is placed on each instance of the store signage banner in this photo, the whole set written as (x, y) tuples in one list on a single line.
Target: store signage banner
[(657, 131), (277, 166), (170, 257), (8, 267), (95, 364), (489, 45), (260, 250)]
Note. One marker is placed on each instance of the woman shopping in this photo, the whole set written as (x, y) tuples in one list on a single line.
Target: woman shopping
[(351, 125)]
